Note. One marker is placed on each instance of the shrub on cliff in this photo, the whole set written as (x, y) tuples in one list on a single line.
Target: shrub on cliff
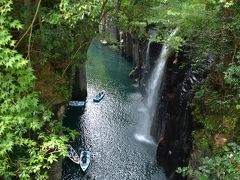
[(225, 165), (30, 139)]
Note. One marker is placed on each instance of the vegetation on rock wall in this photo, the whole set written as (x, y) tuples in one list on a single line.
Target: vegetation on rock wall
[(30, 139), (39, 42), (212, 29), (54, 36)]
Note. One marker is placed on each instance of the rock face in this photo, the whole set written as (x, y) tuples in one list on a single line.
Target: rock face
[(173, 119), (79, 88), (133, 50), (108, 26), (55, 173), (174, 122), (172, 125)]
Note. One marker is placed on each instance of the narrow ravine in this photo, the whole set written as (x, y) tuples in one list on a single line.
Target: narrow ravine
[(107, 128)]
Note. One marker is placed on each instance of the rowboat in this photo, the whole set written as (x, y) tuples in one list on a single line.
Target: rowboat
[(99, 96), (73, 155), (76, 103), (104, 42), (85, 158)]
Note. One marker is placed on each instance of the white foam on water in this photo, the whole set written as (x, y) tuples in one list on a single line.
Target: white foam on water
[(144, 139)]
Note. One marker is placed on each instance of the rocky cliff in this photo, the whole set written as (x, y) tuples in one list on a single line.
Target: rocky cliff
[(173, 122)]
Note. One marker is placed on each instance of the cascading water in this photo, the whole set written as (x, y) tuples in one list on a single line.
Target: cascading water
[(148, 108), (146, 63)]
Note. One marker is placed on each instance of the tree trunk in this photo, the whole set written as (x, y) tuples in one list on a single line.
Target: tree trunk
[(27, 13)]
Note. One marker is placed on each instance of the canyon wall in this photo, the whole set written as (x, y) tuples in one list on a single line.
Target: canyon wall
[(173, 122)]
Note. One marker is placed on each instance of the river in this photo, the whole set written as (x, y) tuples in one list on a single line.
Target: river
[(107, 128)]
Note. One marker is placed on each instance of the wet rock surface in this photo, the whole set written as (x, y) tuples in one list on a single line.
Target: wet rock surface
[(173, 122)]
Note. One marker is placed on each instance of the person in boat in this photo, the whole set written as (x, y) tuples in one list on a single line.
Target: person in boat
[(84, 157)]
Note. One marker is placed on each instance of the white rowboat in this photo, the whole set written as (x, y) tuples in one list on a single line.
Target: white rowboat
[(72, 154), (77, 103), (85, 158)]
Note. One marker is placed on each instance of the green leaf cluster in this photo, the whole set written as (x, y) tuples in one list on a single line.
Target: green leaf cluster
[(68, 29), (223, 166), (217, 109), (232, 74), (30, 140)]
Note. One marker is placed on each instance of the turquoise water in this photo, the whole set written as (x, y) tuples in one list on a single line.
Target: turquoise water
[(107, 128)]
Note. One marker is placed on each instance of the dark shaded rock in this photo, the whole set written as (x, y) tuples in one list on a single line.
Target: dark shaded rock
[(174, 115), (79, 88), (173, 122), (133, 50), (135, 73), (55, 172)]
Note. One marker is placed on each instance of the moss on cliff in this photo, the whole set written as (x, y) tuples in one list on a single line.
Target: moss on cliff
[(216, 145)]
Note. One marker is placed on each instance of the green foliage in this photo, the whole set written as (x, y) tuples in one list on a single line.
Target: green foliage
[(74, 11), (60, 37), (30, 140), (223, 166), (232, 74), (201, 22), (56, 38), (216, 107), (131, 16), (70, 26)]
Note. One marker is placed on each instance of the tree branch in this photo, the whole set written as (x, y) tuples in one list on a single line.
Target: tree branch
[(29, 28), (102, 9)]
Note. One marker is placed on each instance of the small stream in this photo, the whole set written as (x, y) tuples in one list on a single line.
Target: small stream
[(107, 128)]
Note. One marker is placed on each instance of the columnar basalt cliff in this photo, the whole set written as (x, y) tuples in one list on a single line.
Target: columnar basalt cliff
[(174, 122), (79, 83), (133, 50), (172, 125)]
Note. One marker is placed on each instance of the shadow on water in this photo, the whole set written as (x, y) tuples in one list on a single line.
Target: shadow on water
[(107, 128), (72, 120)]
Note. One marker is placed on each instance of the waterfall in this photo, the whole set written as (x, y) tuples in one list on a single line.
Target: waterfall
[(149, 106), (146, 64)]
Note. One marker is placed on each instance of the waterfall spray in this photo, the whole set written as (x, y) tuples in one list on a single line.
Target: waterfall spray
[(149, 107)]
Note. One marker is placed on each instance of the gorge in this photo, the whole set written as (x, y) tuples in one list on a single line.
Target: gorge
[(107, 128), (150, 129), (175, 117)]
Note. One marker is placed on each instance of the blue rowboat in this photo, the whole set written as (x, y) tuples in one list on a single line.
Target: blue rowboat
[(99, 96)]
